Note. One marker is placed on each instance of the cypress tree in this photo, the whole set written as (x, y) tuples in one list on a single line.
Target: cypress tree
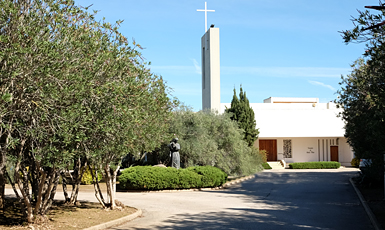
[(244, 115)]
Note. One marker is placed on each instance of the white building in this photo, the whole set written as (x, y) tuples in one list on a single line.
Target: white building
[(291, 129), (300, 130)]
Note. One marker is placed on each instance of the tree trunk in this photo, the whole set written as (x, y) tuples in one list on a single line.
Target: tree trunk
[(98, 192), (2, 189), (51, 193), (27, 202), (76, 184), (64, 185), (115, 175), (110, 190), (80, 167), (13, 186), (111, 185), (40, 192), (2, 171)]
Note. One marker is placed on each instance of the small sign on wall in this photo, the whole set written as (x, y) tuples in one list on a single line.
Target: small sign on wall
[(310, 150)]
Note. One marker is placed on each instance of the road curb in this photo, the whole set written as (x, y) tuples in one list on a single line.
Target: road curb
[(117, 221), (228, 184), (372, 218)]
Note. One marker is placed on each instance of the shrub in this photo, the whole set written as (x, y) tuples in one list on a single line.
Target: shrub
[(315, 165), (355, 162), (211, 176), (155, 178), (87, 177), (266, 166), (263, 155)]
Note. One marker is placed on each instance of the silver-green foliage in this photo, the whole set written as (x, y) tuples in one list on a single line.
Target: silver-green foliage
[(207, 138), (71, 86)]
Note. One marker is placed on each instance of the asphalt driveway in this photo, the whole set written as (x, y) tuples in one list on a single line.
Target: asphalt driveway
[(284, 199), (274, 199)]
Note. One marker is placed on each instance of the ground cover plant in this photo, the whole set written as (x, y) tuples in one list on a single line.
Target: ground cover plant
[(315, 165), (157, 178)]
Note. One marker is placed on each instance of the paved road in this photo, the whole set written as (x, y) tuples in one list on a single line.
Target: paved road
[(282, 199), (286, 199)]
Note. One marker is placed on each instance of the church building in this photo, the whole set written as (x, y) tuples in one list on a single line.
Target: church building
[(291, 129)]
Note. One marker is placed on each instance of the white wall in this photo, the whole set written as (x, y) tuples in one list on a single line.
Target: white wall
[(312, 126), (297, 119), (307, 149)]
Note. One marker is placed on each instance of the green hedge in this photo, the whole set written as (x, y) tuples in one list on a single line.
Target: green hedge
[(211, 176), (316, 165), (156, 178)]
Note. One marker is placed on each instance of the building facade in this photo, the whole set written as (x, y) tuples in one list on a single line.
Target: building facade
[(300, 130)]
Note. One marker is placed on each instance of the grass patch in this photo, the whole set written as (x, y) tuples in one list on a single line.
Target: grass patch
[(62, 216), (266, 166), (316, 165)]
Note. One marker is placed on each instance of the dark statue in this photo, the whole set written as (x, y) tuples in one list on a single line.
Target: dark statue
[(174, 153)]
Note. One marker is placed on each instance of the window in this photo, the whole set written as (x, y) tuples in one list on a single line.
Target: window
[(287, 152)]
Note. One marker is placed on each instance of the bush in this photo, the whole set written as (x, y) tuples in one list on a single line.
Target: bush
[(263, 155), (266, 166), (316, 165), (355, 162), (87, 177), (211, 176), (156, 178)]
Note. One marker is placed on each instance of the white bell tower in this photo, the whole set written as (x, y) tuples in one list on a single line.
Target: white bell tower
[(211, 70), (211, 98)]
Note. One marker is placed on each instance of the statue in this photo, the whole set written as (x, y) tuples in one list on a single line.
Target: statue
[(174, 153)]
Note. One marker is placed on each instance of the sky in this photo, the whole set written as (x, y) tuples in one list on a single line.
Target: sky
[(280, 48)]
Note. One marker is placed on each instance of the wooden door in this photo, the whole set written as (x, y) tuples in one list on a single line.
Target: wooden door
[(334, 153), (271, 147)]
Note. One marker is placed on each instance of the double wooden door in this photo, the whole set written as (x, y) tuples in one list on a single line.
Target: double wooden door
[(271, 148)]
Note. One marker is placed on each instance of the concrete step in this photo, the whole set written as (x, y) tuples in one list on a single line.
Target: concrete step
[(275, 165)]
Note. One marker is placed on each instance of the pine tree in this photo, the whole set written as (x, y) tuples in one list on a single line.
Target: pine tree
[(244, 115)]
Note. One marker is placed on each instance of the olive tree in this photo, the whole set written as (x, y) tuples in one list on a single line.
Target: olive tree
[(71, 88), (207, 138)]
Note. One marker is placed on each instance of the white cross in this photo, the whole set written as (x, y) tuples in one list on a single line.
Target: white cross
[(206, 10)]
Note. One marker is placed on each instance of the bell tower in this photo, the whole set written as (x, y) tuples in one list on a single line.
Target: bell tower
[(211, 70)]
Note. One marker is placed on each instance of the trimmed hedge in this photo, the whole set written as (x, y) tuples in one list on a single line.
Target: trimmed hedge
[(211, 176), (315, 165), (156, 178)]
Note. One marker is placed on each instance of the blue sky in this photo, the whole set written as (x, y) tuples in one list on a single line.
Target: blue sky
[(280, 48)]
